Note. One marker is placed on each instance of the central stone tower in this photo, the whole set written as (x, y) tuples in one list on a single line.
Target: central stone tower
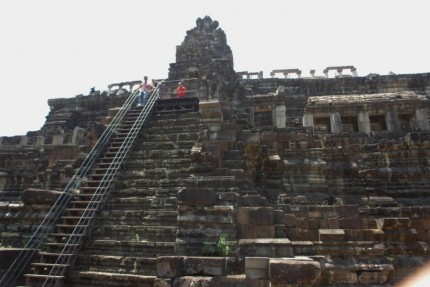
[(205, 56)]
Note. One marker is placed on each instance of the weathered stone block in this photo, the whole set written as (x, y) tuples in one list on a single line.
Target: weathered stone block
[(261, 215), (263, 250), (229, 281), (195, 281), (372, 223), (374, 277), (314, 224), (197, 197), (314, 213), (40, 196), (370, 249), (341, 277), (257, 283), (246, 247), (349, 234), (246, 231), (169, 266), (293, 233), (257, 267), (290, 221), (203, 105), (312, 235), (333, 223), (252, 200), (294, 271), (396, 223), (347, 210), (331, 235), (373, 235), (303, 247), (211, 266), (282, 248), (323, 223), (158, 282), (358, 235), (279, 217), (423, 235), (303, 223), (304, 234), (321, 211), (350, 223), (265, 231), (242, 215), (335, 248)]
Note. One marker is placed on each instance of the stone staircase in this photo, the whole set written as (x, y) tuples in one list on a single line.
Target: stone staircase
[(139, 222)]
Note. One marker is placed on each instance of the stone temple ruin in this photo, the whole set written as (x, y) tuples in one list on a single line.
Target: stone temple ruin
[(247, 181)]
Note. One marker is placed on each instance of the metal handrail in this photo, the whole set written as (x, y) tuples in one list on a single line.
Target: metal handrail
[(40, 234), (100, 194)]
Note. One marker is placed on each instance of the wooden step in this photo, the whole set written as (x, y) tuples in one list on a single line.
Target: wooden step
[(86, 196), (81, 210), (52, 254), (43, 276), (99, 169), (101, 164), (66, 235), (60, 244), (40, 277), (49, 265), (85, 202), (75, 217), (71, 226), (88, 188)]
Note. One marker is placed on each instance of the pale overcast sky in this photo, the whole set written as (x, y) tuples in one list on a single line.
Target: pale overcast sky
[(62, 48)]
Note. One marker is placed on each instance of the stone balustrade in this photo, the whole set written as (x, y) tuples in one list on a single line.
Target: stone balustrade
[(286, 72)]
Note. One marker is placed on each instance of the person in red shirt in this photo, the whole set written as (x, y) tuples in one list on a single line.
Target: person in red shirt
[(181, 90)]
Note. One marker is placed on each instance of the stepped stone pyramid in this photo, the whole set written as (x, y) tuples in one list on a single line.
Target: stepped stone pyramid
[(278, 181)]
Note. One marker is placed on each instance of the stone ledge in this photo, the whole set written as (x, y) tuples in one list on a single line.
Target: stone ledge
[(110, 279)]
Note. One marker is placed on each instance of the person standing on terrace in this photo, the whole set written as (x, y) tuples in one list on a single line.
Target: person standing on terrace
[(181, 90), (144, 89)]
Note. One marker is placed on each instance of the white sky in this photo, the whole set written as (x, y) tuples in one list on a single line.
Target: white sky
[(62, 48)]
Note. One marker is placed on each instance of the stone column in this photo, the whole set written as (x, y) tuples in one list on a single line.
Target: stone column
[(40, 141), (335, 123), (24, 141), (77, 135), (308, 120), (57, 139), (279, 117), (392, 121), (364, 122), (260, 75), (422, 119)]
